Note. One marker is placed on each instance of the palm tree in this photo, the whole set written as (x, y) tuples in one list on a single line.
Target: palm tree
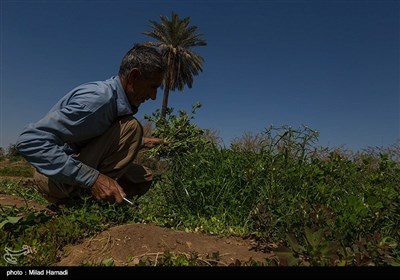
[(175, 38)]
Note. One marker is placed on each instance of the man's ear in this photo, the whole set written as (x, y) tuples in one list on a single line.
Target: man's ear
[(133, 74)]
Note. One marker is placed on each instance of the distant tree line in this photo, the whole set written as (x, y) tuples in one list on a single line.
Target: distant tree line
[(11, 152)]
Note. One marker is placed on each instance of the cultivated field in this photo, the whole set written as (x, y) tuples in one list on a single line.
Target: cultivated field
[(274, 199)]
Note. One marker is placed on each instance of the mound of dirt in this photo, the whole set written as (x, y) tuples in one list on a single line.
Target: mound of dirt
[(11, 200), (127, 244)]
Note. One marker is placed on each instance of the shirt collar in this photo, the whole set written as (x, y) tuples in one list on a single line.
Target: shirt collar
[(123, 106)]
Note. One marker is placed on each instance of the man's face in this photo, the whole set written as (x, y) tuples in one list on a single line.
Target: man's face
[(144, 89)]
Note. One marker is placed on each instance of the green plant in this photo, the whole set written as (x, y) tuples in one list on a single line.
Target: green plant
[(182, 135), (48, 234)]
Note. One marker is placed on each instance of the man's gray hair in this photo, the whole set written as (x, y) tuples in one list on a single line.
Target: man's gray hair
[(148, 59)]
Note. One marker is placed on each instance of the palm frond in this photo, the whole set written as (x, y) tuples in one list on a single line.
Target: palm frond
[(176, 38)]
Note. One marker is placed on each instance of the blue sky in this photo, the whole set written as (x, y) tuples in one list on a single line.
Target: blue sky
[(330, 65)]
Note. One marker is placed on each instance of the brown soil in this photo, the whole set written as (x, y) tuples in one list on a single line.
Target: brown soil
[(11, 200), (127, 244)]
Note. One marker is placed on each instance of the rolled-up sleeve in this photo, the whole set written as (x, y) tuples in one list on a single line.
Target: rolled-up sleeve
[(42, 143)]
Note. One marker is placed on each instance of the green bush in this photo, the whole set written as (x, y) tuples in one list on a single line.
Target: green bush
[(280, 187)]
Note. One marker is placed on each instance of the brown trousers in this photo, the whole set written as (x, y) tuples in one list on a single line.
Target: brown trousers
[(112, 154)]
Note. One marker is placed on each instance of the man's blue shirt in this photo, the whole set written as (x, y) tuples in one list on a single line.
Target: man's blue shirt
[(84, 113)]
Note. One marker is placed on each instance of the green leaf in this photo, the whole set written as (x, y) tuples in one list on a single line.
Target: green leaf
[(285, 256), (313, 238), (108, 262), (294, 244), (10, 220)]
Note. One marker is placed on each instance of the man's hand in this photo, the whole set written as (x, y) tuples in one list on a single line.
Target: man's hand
[(150, 142), (107, 189)]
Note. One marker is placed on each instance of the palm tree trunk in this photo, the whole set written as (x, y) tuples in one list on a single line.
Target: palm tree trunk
[(165, 103)]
